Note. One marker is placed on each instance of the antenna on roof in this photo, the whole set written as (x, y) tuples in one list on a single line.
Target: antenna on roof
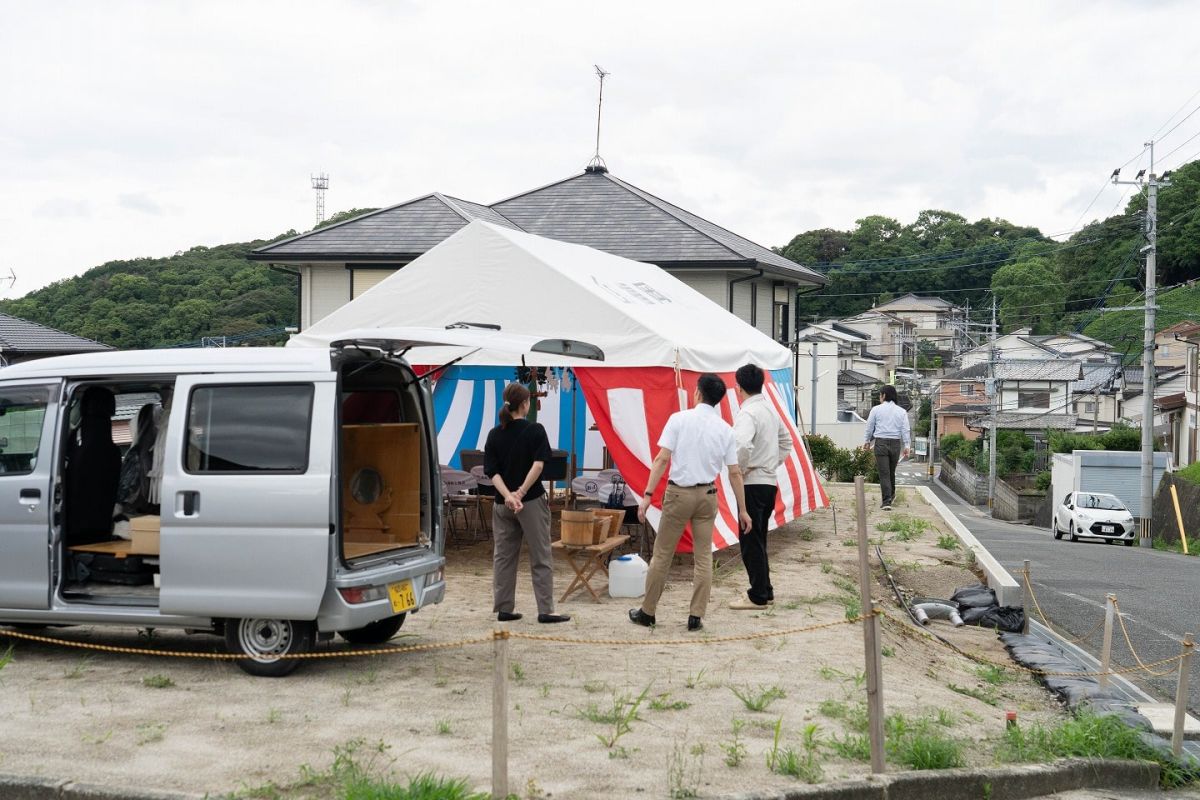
[(10, 279), (597, 163), (320, 183)]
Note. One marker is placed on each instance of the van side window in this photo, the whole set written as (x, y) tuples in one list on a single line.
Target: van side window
[(243, 428), (22, 410)]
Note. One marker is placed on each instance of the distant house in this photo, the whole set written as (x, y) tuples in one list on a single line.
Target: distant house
[(1190, 451), (1034, 395), (22, 340), (1098, 397), (1172, 419), (595, 208), (855, 391), (1171, 344), (1021, 344), (895, 338), (854, 351), (937, 321)]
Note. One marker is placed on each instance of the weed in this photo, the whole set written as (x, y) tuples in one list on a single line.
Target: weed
[(157, 682), (621, 716), (80, 668), (855, 747), (758, 700), (346, 696), (945, 718), (150, 732), (545, 690), (849, 543), (857, 718), (595, 687), (734, 749), (518, 672), (806, 534), (443, 727), (887, 651), (830, 673), (683, 773), (371, 675), (439, 680), (845, 585), (834, 709), (147, 634), (983, 695), (6, 657), (274, 715), (853, 606), (905, 527), (618, 752), (947, 541), (826, 567), (918, 745), (791, 605), (992, 674), (787, 761), (663, 702), (693, 680), (98, 738)]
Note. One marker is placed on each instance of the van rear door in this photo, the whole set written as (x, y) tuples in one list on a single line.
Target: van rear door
[(245, 526)]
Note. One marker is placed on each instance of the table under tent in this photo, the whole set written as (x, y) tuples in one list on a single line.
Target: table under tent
[(657, 334)]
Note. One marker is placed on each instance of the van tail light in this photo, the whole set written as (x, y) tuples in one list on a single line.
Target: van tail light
[(354, 595)]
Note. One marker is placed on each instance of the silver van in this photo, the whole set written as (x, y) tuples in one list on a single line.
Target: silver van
[(275, 496)]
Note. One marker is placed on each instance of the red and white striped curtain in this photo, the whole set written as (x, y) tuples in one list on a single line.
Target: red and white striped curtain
[(631, 406)]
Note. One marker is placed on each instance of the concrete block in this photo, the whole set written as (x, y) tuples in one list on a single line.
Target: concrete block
[(1162, 718), (87, 791), (17, 787)]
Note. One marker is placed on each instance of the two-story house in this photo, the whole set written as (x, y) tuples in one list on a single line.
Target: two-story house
[(937, 321), (1097, 396), (894, 338), (1031, 396), (1021, 344)]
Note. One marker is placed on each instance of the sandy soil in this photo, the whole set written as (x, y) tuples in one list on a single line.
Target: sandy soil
[(94, 718)]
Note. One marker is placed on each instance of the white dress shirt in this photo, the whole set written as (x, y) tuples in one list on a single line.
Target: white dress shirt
[(763, 441), (701, 445), (888, 421)]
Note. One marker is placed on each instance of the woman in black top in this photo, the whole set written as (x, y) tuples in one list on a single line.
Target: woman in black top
[(515, 453)]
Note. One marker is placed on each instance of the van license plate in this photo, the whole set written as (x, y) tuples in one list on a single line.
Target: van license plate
[(1108, 528), (402, 596)]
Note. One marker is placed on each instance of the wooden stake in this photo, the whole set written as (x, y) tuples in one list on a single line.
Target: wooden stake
[(1179, 519), (872, 644), (500, 715), (1026, 598), (1181, 693), (1106, 650)]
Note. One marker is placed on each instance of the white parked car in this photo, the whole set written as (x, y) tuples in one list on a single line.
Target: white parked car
[(1091, 515)]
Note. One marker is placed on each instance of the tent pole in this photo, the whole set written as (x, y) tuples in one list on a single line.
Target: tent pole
[(574, 419)]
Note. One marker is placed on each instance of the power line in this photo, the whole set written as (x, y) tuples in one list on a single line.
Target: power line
[(1181, 108), (936, 292), (1181, 144)]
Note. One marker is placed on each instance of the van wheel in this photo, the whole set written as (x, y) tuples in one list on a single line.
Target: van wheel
[(377, 632), (263, 641)]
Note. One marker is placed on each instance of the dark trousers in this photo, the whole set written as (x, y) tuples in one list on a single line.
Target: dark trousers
[(887, 456), (760, 505)]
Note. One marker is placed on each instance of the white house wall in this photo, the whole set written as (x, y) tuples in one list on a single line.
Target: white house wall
[(330, 291)]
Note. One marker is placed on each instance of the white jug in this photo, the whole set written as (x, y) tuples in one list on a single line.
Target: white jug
[(627, 576)]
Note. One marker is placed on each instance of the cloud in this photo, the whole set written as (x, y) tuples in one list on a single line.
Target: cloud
[(63, 207), (139, 201)]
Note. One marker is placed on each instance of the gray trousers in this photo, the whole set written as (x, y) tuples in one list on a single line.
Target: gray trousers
[(532, 525), (887, 456), (681, 505)]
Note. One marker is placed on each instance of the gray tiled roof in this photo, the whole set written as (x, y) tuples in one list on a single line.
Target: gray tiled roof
[(400, 232), (19, 336), (852, 377), (1026, 422), (1096, 376), (913, 302), (1028, 369)]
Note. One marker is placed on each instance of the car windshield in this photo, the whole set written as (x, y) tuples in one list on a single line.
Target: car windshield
[(1100, 501)]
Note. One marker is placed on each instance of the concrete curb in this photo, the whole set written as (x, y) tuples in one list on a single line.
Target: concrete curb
[(999, 783), (1008, 591), (18, 787)]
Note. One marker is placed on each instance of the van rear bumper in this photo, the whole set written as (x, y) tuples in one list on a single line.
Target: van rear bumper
[(336, 614)]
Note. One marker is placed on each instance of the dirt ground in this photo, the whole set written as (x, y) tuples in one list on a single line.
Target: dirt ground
[(200, 726)]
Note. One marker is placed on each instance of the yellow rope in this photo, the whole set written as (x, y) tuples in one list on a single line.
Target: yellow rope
[(1046, 622), (705, 640), (1136, 657)]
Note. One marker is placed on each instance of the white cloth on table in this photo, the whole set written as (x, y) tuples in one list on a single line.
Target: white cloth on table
[(456, 481)]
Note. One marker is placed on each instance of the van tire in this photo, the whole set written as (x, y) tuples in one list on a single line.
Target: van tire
[(264, 640), (377, 632)]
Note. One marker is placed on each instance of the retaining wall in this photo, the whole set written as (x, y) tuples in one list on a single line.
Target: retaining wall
[(1165, 524), (1017, 500), (965, 481)]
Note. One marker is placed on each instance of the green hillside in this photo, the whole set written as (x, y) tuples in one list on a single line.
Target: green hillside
[(1122, 327)]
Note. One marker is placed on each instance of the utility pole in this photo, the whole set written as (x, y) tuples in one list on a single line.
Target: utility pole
[(1151, 185), (812, 414), (995, 402)]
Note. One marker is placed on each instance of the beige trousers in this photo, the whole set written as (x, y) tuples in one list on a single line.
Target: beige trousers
[(697, 505)]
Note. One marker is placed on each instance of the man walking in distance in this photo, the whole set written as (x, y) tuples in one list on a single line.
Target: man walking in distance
[(887, 425), (763, 443), (696, 444)]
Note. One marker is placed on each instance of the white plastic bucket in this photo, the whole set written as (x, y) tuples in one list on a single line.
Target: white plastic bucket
[(627, 576)]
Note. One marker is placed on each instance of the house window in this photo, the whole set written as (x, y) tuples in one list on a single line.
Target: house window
[(1033, 398), (966, 388), (1164, 351), (1087, 408)]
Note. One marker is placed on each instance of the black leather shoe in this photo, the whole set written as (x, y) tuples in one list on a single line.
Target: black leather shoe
[(508, 616), (547, 619), (694, 624), (639, 617)]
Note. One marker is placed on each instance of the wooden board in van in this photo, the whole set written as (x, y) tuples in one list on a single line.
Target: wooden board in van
[(381, 484)]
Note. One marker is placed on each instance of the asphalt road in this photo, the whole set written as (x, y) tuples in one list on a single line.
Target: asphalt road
[(1158, 592)]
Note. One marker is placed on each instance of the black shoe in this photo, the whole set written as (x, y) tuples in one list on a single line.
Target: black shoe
[(639, 617), (508, 616), (694, 624), (551, 618)]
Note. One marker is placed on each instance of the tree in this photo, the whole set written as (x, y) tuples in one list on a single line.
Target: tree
[(1029, 295)]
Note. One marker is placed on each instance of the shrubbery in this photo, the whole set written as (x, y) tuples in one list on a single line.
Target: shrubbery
[(840, 463), (1190, 473), (1119, 438)]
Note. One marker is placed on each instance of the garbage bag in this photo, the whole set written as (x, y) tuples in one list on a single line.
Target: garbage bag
[(1004, 618), (977, 596)]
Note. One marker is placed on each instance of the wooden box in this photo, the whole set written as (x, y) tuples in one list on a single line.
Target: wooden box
[(381, 483), (145, 535), (615, 517)]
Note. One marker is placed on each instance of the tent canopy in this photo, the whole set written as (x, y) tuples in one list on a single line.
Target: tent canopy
[(637, 314)]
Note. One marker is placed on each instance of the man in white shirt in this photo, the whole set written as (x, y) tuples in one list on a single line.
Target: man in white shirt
[(888, 432), (696, 444), (763, 443)]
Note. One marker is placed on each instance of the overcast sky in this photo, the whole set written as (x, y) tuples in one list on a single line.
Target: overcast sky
[(141, 129)]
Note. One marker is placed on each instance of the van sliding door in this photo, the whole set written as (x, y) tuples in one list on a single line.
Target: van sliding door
[(245, 499)]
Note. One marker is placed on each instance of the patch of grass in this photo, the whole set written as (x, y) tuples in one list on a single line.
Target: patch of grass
[(853, 606), (887, 651), (849, 543), (734, 749), (918, 745), (826, 567), (992, 674), (693, 680), (595, 687), (806, 534), (80, 668), (1089, 736), (786, 761), (443, 727), (758, 700), (157, 682), (983, 695), (663, 702), (854, 747), (845, 585), (6, 657), (150, 732), (947, 541), (905, 528), (274, 715), (1160, 543), (517, 672), (834, 709), (945, 718), (621, 716), (684, 772)]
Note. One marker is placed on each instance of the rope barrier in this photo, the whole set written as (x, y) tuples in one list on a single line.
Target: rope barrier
[(1128, 641), (1046, 622), (416, 648)]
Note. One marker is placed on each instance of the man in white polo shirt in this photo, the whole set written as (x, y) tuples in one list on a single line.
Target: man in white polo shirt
[(696, 444), (888, 432)]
